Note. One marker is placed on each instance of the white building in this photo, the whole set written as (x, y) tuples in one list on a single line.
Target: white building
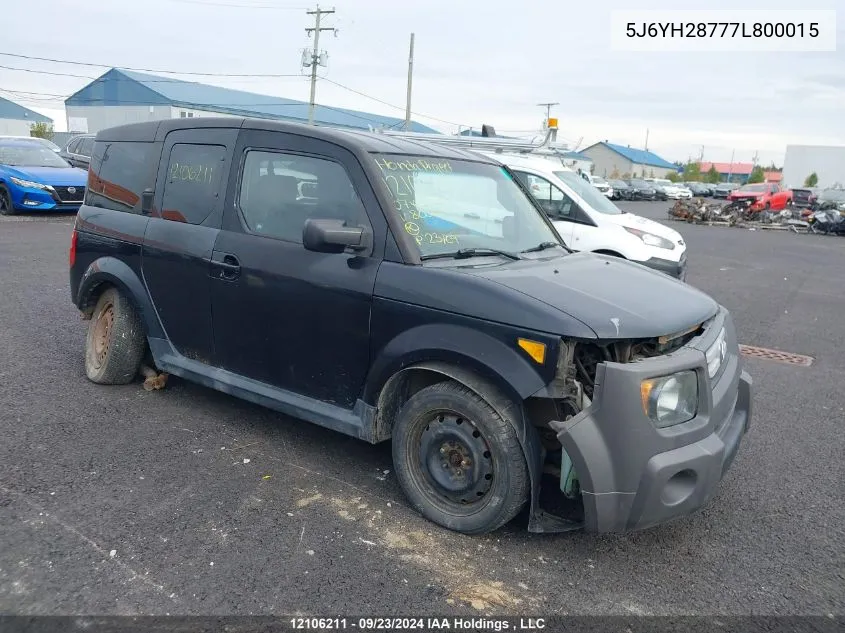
[(618, 161), (827, 161), (121, 96), (15, 120)]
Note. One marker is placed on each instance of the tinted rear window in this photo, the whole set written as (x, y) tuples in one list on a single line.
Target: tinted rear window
[(119, 172)]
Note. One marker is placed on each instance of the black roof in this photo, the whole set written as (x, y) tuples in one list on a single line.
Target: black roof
[(357, 140)]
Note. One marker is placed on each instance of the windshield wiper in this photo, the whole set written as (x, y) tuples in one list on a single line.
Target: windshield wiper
[(463, 253), (540, 247)]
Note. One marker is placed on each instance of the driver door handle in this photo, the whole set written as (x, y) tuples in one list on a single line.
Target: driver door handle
[(225, 266)]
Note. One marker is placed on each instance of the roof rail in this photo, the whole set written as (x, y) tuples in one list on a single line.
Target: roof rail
[(489, 143)]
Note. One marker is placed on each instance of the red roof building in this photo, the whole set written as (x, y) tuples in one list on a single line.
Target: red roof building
[(737, 169)]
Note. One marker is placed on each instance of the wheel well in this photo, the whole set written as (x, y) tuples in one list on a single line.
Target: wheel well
[(89, 301), (405, 383), (397, 391), (604, 251)]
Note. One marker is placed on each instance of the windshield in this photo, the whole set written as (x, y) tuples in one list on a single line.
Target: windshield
[(662, 182), (599, 181), (618, 184), (642, 184), (447, 205), (30, 155), (755, 188), (592, 196)]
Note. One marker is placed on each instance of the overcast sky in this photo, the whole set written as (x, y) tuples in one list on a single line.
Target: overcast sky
[(475, 62)]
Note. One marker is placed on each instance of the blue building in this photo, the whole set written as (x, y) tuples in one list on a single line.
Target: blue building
[(123, 96), (15, 120)]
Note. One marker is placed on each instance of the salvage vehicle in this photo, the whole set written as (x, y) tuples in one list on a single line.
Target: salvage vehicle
[(602, 185), (642, 190), (699, 189), (588, 221), (621, 190), (34, 178), (805, 197), (78, 150), (418, 294), (724, 189), (763, 196)]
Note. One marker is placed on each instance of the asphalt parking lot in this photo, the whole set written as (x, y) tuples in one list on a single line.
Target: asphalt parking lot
[(114, 500)]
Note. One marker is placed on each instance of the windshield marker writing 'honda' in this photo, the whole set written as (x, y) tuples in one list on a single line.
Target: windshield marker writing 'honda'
[(401, 291)]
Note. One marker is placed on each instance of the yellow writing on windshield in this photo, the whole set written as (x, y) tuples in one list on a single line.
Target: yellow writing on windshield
[(200, 174), (415, 164)]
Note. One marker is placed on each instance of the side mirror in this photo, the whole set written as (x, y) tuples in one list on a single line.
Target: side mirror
[(333, 236)]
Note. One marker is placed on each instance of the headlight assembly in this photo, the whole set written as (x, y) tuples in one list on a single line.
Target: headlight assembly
[(670, 400), (650, 239), (29, 184)]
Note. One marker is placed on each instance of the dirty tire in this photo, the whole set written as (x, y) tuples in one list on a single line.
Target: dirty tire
[(6, 207), (496, 485), (114, 346)]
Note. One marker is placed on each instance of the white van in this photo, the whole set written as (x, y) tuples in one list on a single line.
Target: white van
[(588, 221)]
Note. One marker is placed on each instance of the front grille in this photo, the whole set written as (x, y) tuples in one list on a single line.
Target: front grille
[(66, 195)]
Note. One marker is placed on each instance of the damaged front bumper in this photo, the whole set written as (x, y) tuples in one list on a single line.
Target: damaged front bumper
[(633, 475)]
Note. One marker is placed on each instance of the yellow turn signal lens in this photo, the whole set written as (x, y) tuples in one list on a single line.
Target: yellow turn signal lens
[(534, 349), (646, 387)]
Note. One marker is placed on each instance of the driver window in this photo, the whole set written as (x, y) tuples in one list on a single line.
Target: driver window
[(556, 204)]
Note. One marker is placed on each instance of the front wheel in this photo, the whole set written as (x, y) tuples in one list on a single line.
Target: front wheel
[(458, 461), (6, 206)]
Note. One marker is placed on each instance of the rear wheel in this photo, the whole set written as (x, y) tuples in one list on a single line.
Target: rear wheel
[(115, 342), (6, 207), (458, 461)]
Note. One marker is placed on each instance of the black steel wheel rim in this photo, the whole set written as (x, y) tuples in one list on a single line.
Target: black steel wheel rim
[(455, 460)]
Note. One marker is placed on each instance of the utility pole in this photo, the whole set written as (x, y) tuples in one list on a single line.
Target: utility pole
[(731, 169), (548, 107), (646, 140), (701, 155), (410, 82), (315, 56)]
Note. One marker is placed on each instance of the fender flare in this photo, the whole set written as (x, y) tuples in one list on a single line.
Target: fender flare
[(464, 347), (112, 271)]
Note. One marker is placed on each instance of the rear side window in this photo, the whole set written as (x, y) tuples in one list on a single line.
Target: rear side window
[(71, 148), (119, 172), (86, 146), (193, 182)]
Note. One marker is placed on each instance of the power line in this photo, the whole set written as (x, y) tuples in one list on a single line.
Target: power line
[(128, 79), (392, 105), (141, 70), (58, 98), (164, 80), (239, 6)]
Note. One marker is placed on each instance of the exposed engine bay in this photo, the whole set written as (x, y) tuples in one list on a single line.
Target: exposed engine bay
[(573, 390)]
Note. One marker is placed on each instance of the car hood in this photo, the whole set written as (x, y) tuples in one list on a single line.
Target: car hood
[(62, 176), (747, 194), (644, 224), (616, 298)]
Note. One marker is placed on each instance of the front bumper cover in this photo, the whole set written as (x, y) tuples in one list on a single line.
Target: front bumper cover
[(633, 475), (678, 269)]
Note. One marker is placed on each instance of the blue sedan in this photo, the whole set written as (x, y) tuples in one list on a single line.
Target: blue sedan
[(34, 178)]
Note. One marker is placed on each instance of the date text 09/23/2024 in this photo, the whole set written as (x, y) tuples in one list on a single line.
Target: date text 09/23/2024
[(417, 624)]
